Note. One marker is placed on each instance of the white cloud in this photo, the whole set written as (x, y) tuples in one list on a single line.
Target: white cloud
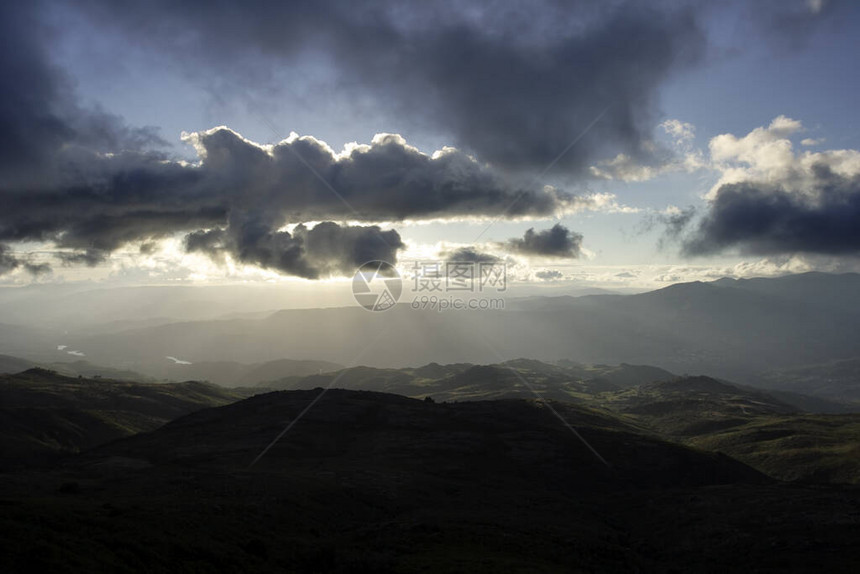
[(766, 150), (624, 168), (766, 156), (681, 131), (681, 156), (811, 141), (606, 203)]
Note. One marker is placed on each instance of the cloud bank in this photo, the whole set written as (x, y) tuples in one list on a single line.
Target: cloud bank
[(772, 201), (82, 181), (513, 84)]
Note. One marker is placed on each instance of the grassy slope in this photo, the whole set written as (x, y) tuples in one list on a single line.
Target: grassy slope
[(814, 448), (379, 483), (749, 425), (45, 414)]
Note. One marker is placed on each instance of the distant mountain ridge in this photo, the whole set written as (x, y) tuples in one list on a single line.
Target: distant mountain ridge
[(727, 328)]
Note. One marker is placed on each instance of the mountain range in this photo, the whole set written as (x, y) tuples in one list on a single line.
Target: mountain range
[(736, 329)]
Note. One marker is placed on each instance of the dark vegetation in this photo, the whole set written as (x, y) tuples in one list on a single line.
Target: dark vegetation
[(370, 482), (45, 415), (373, 482)]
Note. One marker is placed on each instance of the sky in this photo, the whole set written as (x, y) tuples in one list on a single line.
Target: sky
[(615, 145)]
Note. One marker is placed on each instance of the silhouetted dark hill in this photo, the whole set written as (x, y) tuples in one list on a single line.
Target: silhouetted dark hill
[(517, 438), (45, 414), (369, 482)]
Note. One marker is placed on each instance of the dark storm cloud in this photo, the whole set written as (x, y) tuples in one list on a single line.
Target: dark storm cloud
[(88, 257), (303, 180), (765, 219), (42, 125), (515, 84), (324, 250), (469, 255), (70, 175), (8, 263), (558, 241), (111, 201), (80, 179)]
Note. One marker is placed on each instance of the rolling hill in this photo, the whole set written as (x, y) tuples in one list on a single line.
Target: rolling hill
[(750, 425), (464, 381), (46, 415), (370, 482)]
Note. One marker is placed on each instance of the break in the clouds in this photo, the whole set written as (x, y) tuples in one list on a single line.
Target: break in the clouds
[(771, 200), (557, 241), (514, 84)]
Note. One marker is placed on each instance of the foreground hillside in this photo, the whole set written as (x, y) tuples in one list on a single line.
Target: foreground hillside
[(805, 442), (784, 435), (369, 482), (750, 425), (44, 414)]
